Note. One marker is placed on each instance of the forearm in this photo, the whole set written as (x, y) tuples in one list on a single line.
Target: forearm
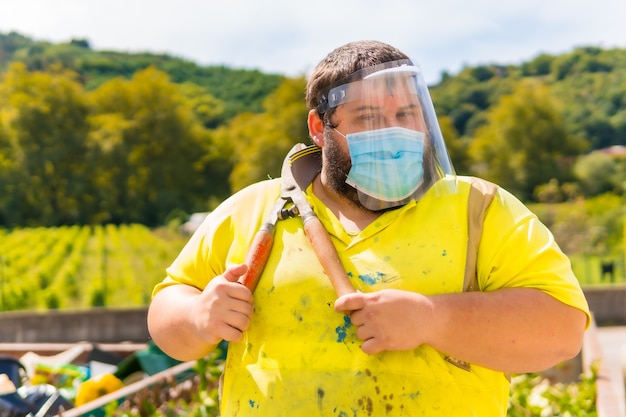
[(512, 330), (170, 326)]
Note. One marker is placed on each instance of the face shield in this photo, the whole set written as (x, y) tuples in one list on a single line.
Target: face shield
[(396, 148)]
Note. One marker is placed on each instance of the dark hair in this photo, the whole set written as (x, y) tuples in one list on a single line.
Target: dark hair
[(342, 62)]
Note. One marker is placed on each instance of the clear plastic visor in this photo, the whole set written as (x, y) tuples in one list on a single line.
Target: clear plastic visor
[(394, 96)]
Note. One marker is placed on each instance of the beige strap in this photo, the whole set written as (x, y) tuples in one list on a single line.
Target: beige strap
[(480, 196)]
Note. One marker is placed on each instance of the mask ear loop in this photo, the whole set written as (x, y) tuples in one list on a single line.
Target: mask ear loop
[(341, 134)]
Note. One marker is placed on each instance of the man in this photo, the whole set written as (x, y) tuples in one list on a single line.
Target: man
[(410, 341)]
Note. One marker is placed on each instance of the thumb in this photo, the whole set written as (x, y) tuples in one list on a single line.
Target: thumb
[(233, 273), (350, 302)]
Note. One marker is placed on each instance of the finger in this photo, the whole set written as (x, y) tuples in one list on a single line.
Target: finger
[(230, 333), (223, 290), (371, 347), (350, 302), (363, 332), (241, 292), (242, 307), (233, 273), (239, 321), (357, 317)]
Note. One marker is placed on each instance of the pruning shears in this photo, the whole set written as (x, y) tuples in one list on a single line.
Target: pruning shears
[(300, 167)]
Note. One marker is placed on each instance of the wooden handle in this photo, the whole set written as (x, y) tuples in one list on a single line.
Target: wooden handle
[(328, 256), (256, 258)]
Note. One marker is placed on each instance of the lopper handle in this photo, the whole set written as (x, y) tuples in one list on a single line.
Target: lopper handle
[(256, 258), (328, 256)]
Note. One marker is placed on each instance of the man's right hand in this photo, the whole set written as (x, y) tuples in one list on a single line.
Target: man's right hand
[(223, 310)]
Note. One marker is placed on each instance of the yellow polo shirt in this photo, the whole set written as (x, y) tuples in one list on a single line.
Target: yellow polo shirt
[(301, 358)]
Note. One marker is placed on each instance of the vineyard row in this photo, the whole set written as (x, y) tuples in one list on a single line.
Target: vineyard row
[(76, 267)]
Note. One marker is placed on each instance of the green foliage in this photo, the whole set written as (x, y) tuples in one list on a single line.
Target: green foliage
[(208, 109), (555, 192), (525, 141), (258, 143), (196, 395), (589, 82), (539, 66), (45, 121), (586, 227), (129, 151), (465, 97), (585, 89), (596, 108), (146, 135), (240, 90), (83, 266), (457, 147), (95, 137), (534, 396), (590, 232), (601, 172), (531, 396)]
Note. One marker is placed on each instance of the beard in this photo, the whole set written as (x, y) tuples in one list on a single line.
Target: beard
[(337, 164)]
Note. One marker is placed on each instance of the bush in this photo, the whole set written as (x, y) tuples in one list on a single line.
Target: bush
[(534, 396), (531, 396)]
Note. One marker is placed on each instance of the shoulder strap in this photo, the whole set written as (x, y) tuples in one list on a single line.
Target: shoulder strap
[(481, 195)]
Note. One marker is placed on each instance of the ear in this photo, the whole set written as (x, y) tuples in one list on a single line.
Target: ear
[(316, 128)]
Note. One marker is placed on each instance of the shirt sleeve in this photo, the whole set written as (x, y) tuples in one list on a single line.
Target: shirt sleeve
[(517, 250), (223, 239)]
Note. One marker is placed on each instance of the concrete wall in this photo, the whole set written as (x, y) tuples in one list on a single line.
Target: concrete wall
[(608, 305), (96, 325)]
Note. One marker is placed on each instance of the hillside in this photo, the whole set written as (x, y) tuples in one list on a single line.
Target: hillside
[(96, 137), (241, 90), (589, 83)]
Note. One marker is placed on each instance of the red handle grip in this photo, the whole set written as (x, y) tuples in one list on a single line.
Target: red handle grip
[(256, 258), (327, 255)]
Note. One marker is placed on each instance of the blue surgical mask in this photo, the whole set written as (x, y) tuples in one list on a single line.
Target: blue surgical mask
[(387, 165)]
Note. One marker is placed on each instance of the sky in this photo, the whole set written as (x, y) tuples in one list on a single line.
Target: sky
[(291, 36)]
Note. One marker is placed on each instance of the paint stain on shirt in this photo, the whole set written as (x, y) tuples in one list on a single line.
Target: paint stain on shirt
[(342, 331)]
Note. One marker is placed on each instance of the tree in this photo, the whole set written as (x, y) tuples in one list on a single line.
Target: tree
[(259, 142), (599, 173), (457, 147), (208, 109), (8, 171), (538, 66), (525, 142), (151, 145), (45, 124)]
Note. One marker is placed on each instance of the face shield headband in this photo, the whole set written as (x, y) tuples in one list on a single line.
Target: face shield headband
[(380, 87), (335, 94)]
